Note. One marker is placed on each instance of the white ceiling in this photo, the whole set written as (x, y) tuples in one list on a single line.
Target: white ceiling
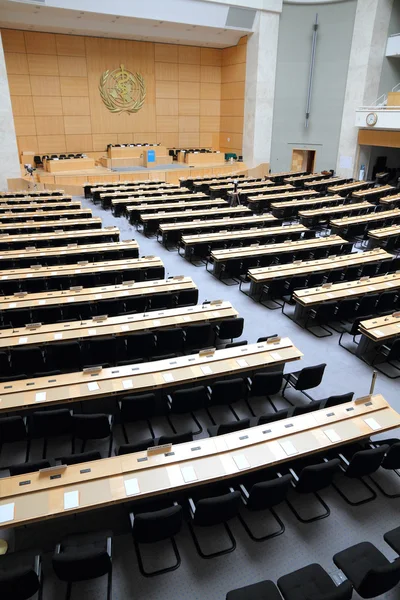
[(181, 21)]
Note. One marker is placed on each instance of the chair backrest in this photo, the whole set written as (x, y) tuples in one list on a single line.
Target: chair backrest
[(81, 564), (270, 418), (170, 339), (26, 360), (394, 352), (140, 345), (266, 494), (302, 410), (12, 429), (219, 509), (157, 525), (189, 399), (138, 447), (340, 399), (64, 356), (317, 477), (227, 391), (28, 467), (380, 580), (392, 458), (310, 377), (91, 427), (135, 408), (74, 459), (266, 384), (178, 438), (19, 583), (231, 328), (51, 423), (233, 426), (198, 334), (366, 462)]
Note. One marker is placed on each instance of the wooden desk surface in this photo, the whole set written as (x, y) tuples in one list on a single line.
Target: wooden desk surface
[(300, 178), (213, 178), (105, 292), (121, 325), (384, 232), (383, 328), (345, 289), (69, 164), (178, 205), (253, 220), (88, 268), (306, 202), (196, 214), (101, 483), (394, 198), (37, 207), (57, 223), (19, 218), (37, 199), (379, 216), (99, 187), (128, 192), (273, 189), (248, 233), (339, 208), (289, 246), (328, 181), (286, 196), (36, 253), (229, 185), (372, 191), (80, 386), (298, 267), (287, 174), (32, 193), (30, 238), (348, 187), (198, 182), (171, 198)]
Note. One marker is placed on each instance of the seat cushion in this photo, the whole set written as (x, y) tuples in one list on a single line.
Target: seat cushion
[(18, 579), (83, 557), (157, 525), (304, 583), (263, 590), (356, 561), (393, 539)]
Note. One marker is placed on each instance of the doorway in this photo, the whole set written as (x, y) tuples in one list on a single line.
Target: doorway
[(303, 160)]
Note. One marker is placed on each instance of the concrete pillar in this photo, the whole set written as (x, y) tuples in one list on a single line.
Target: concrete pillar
[(367, 51), (262, 50), (9, 160)]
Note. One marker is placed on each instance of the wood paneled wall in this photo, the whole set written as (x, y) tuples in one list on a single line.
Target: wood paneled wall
[(193, 94)]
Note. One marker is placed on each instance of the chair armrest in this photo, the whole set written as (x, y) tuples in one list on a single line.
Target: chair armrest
[(169, 401), (192, 507), (293, 474), (57, 549), (244, 492), (109, 546), (38, 564), (344, 459), (132, 519)]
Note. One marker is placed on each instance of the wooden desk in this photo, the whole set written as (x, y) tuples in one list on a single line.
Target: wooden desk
[(279, 177), (119, 205), (339, 224), (390, 201), (384, 234), (42, 215), (134, 151), (165, 374), (31, 193), (118, 326), (377, 331), (101, 483), (106, 198), (61, 253), (6, 200), (189, 181), (264, 190), (35, 206), (198, 159), (266, 199), (58, 224), (319, 184), (262, 275), (134, 212), (300, 180), (373, 193), (95, 191), (54, 236), (349, 188), (151, 222), (291, 208), (68, 164), (318, 215)]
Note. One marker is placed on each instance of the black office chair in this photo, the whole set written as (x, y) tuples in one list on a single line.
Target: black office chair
[(21, 576), (170, 340), (391, 356), (216, 510), (137, 447), (188, 298), (141, 407), (303, 410), (135, 347), (228, 427), (83, 557), (97, 426), (255, 591), (13, 430), (387, 302), (368, 570), (318, 316), (272, 417), (187, 401), (64, 356), (313, 581), (306, 379), (161, 301), (50, 424), (75, 459), (176, 438), (27, 360), (265, 495), (336, 400), (197, 336), (226, 393), (229, 329), (28, 467), (98, 351), (156, 526), (264, 385), (390, 462)]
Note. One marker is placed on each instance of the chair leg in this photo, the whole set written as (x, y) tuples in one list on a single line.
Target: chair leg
[(264, 537), (342, 345), (231, 548), (283, 393), (328, 333), (380, 488), (109, 584), (69, 589), (159, 571), (311, 519), (369, 498)]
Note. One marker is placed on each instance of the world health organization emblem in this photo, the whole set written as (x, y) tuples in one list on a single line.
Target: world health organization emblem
[(122, 91)]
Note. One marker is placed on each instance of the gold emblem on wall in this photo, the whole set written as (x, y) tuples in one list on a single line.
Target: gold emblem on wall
[(122, 91)]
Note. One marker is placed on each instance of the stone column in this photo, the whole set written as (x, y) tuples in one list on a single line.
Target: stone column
[(9, 160), (366, 56), (262, 51)]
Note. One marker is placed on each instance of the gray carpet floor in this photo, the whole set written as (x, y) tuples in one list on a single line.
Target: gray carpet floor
[(300, 545)]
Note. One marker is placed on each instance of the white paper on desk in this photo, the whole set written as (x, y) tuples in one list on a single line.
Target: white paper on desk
[(12, 305), (40, 397), (216, 313), (345, 162), (332, 435), (188, 474), (156, 323), (378, 332), (241, 461), (372, 423), (58, 336), (168, 377), (242, 362), (92, 386), (7, 512), (206, 370), (71, 500), (127, 384), (124, 327), (98, 296), (71, 299), (276, 356), (22, 340), (131, 487), (330, 295), (288, 448), (187, 319), (91, 331), (42, 301)]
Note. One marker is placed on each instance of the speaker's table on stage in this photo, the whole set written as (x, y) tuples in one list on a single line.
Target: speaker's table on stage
[(68, 164), (197, 159)]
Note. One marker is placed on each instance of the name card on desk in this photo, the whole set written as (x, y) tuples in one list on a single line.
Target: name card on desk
[(71, 500), (168, 377), (131, 487), (207, 352), (7, 512), (288, 448), (332, 435), (241, 461), (163, 448), (188, 474)]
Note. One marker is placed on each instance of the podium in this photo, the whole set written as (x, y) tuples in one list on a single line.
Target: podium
[(149, 157)]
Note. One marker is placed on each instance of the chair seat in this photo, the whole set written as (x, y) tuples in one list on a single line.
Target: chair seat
[(82, 557), (393, 539), (357, 560), (18, 579), (263, 590), (312, 582)]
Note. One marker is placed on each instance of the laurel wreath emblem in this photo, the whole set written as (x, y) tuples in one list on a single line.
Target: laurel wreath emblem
[(118, 98)]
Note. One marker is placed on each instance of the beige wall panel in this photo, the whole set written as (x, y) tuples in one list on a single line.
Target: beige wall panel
[(189, 107), (167, 124), (45, 85), (166, 106), (189, 55), (16, 63), (70, 45), (189, 140), (42, 64), (143, 121), (211, 57), (233, 73), (189, 72), (166, 89), (233, 90), (72, 66), (210, 74), (52, 144), (72, 105), (166, 53), (27, 143), (210, 124), (25, 125), (22, 106), (243, 40), (232, 108), (74, 125), (232, 124), (148, 138), (166, 71), (235, 140), (20, 85), (126, 138), (170, 140), (44, 106), (74, 86), (189, 90), (210, 108), (100, 140), (206, 139), (49, 125), (79, 143), (234, 55), (210, 91), (189, 124), (40, 43), (13, 41)]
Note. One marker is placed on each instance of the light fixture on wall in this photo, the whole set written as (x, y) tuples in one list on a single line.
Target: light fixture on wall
[(311, 73)]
